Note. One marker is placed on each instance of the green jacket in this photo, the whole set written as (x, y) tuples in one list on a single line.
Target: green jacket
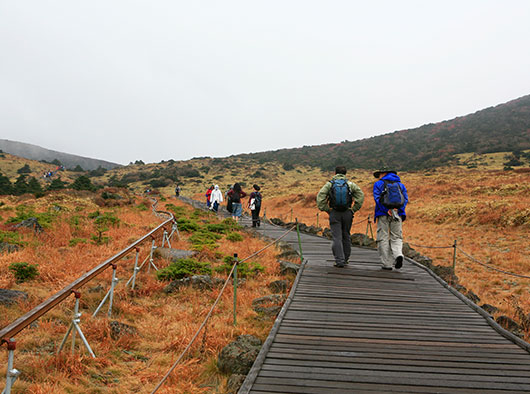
[(323, 195)]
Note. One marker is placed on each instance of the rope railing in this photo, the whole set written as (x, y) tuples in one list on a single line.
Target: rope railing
[(491, 267), (209, 314)]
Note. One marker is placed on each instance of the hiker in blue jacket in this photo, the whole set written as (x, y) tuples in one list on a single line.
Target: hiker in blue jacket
[(341, 199), (391, 198)]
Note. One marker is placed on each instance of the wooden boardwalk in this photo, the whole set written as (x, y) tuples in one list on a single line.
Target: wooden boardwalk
[(360, 329)]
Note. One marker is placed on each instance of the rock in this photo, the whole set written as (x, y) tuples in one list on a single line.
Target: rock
[(269, 306), (472, 296), (326, 233), (9, 297), (117, 330), (7, 247), (237, 357), (234, 383), (204, 282), (173, 254), (286, 250), (447, 274), (32, 223), (489, 309), (358, 239), (277, 221), (279, 286), (509, 324), (424, 260), (176, 285), (286, 267), (409, 251)]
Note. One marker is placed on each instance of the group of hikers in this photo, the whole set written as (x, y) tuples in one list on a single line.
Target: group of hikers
[(341, 198), (233, 196)]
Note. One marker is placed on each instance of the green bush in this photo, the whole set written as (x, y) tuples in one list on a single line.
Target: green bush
[(234, 237), (142, 207), (219, 228), (244, 269), (187, 225), (24, 271), (182, 268), (25, 212), (75, 241), (202, 238), (178, 211)]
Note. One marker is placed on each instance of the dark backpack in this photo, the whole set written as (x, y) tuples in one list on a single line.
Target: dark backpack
[(340, 198), (229, 206), (257, 200), (392, 196)]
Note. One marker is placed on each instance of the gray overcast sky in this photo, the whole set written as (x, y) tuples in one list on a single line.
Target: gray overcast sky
[(123, 80)]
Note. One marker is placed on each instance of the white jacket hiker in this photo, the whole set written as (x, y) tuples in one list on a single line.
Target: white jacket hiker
[(216, 197)]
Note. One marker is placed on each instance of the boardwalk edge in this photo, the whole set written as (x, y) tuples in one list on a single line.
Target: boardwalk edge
[(496, 326), (256, 367)]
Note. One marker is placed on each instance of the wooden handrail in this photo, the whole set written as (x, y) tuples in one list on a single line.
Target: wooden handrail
[(22, 322)]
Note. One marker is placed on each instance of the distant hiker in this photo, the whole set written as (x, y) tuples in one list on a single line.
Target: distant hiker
[(229, 207), (236, 194), (208, 195), (336, 198), (254, 204), (391, 198), (216, 198), (177, 191)]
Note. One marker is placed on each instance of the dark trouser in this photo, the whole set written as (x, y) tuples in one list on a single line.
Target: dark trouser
[(255, 216), (340, 226)]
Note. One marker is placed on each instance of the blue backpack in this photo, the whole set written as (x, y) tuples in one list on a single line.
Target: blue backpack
[(340, 198), (392, 196)]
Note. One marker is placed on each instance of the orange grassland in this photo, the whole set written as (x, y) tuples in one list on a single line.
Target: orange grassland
[(486, 211), (165, 323)]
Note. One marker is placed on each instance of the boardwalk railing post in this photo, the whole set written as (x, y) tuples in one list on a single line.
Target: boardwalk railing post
[(110, 293), (299, 241), (164, 237), (291, 215), (153, 247), (136, 269), (12, 373), (265, 214), (454, 258), (174, 229), (74, 327), (236, 262), (369, 226), (317, 218)]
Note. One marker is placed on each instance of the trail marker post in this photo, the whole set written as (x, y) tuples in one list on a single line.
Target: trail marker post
[(236, 262)]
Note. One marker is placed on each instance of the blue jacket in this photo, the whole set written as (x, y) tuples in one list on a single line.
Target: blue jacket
[(379, 187)]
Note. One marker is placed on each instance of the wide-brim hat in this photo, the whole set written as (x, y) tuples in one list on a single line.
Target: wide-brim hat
[(382, 171)]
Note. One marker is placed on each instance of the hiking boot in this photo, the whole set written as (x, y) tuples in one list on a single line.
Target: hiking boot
[(339, 265), (386, 268), (399, 262)]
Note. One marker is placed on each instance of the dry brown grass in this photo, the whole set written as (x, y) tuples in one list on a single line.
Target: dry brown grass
[(165, 323)]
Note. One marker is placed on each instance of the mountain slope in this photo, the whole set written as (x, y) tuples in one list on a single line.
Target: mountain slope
[(35, 152), (503, 128)]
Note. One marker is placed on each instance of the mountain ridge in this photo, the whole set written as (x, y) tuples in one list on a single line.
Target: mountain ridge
[(35, 152)]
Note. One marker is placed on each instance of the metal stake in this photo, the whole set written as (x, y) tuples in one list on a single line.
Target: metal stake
[(317, 218), (12, 373), (235, 287), (75, 325), (299, 242), (174, 229), (454, 258), (110, 293), (164, 236), (153, 247)]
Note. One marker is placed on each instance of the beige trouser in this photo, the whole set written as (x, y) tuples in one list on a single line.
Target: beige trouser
[(389, 240)]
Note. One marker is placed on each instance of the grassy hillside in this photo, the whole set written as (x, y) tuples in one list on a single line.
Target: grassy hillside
[(503, 128)]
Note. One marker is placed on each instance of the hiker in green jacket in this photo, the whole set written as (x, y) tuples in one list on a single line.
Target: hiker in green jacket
[(336, 198)]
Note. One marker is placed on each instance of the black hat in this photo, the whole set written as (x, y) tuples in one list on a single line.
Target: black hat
[(382, 171), (257, 188)]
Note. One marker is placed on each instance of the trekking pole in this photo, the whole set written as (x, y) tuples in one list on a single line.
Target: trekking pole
[(235, 287), (299, 242)]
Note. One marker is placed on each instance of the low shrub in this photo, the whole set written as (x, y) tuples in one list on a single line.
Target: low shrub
[(75, 241), (183, 268), (234, 237), (244, 270), (187, 225), (24, 271)]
